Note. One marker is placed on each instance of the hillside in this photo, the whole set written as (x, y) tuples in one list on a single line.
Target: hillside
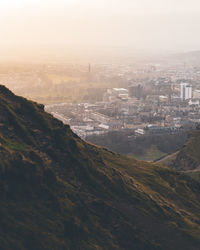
[(188, 158), (59, 192), (148, 147)]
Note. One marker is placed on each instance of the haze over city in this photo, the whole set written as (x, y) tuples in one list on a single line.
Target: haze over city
[(77, 29), (99, 124)]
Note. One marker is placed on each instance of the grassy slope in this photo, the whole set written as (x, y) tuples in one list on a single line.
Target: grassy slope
[(168, 159), (151, 154), (58, 192), (189, 156)]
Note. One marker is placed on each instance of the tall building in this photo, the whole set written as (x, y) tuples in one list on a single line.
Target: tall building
[(186, 91), (136, 91), (89, 73), (89, 68)]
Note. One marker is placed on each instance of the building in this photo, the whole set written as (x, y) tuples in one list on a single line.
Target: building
[(136, 91), (194, 102), (163, 98), (114, 94), (99, 117), (119, 91), (186, 91), (196, 94), (140, 131)]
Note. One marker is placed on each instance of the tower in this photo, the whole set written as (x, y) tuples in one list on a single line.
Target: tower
[(186, 91), (89, 68)]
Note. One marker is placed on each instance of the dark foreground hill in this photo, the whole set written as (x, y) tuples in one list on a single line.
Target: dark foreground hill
[(58, 192)]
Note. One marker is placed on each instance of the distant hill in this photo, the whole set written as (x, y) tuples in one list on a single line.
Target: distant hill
[(191, 56), (59, 192), (188, 158)]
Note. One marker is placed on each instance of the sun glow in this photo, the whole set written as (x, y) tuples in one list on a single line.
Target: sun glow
[(98, 25)]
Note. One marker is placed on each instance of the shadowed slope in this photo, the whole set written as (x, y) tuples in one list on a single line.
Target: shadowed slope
[(188, 157), (59, 192)]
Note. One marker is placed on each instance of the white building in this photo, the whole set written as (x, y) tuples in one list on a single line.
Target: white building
[(140, 131), (119, 91), (114, 94), (186, 91), (194, 102)]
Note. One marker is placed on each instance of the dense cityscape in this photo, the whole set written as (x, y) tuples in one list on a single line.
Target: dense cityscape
[(155, 99), (118, 105)]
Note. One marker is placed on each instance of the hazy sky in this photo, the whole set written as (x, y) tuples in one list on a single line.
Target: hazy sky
[(81, 26)]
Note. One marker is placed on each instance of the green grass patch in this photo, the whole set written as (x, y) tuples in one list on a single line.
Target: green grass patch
[(151, 154), (16, 146)]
